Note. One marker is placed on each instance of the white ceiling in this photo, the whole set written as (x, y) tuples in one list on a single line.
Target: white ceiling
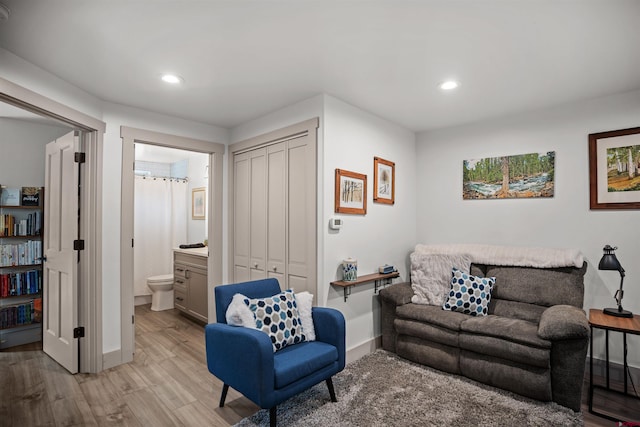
[(242, 59)]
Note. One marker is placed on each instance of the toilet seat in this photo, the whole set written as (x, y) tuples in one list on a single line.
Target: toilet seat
[(162, 278)]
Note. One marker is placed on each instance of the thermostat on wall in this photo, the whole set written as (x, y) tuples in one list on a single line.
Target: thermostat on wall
[(335, 223)]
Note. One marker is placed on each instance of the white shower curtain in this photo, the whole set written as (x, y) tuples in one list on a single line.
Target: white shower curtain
[(160, 224)]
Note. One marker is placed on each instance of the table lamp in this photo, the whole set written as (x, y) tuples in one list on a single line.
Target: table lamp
[(609, 261)]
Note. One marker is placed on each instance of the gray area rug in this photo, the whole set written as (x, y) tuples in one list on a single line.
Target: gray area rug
[(382, 389)]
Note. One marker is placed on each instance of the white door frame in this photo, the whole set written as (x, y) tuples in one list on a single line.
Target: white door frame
[(216, 153), (90, 266)]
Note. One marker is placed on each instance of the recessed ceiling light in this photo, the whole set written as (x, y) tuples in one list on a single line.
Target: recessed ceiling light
[(449, 84), (172, 78)]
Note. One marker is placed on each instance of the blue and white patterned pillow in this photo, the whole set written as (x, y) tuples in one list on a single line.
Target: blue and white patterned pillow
[(469, 294), (278, 317)]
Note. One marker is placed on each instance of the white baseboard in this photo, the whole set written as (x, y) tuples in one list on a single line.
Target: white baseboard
[(141, 299), (355, 353), (111, 359)]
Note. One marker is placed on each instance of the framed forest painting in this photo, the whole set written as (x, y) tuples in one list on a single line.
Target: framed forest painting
[(350, 192), (614, 169), (509, 177)]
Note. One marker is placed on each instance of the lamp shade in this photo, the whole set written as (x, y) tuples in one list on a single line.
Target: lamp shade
[(609, 261)]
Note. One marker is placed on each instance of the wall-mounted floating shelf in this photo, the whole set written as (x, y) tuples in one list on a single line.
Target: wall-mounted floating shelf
[(379, 279)]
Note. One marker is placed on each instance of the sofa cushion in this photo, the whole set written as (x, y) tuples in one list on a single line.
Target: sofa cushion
[(298, 361), (432, 314), (469, 294), (541, 286), (431, 275), (427, 331), (516, 309), (506, 349), (515, 330)]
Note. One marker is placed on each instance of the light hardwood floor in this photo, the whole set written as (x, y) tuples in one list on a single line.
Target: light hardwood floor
[(167, 384)]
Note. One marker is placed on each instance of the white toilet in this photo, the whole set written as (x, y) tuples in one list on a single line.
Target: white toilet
[(162, 292)]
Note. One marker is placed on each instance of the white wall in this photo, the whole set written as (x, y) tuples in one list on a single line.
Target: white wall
[(386, 234), (197, 228), (562, 221), (22, 144), (25, 74)]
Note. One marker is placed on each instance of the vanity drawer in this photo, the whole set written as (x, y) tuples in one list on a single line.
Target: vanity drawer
[(180, 299), (180, 270), (180, 284)]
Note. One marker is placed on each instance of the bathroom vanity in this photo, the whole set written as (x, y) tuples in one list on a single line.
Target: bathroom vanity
[(190, 282)]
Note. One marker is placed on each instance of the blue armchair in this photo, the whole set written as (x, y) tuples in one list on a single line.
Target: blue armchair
[(243, 358)]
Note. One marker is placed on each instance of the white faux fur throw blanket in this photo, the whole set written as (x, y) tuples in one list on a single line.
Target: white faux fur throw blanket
[(509, 255)]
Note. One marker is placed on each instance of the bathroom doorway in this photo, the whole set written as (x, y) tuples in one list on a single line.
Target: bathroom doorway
[(207, 196), (167, 181)]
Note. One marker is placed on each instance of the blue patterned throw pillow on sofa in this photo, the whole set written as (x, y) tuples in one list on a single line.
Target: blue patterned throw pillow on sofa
[(469, 294), (278, 317)]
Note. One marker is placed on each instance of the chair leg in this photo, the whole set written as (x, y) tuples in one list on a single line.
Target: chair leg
[(332, 392), (225, 389), (272, 416)]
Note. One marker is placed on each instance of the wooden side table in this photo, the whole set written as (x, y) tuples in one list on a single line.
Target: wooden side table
[(599, 320)]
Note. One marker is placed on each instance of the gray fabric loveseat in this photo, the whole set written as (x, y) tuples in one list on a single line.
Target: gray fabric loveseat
[(532, 342)]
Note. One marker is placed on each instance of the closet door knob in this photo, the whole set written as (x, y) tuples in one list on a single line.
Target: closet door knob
[(255, 265), (275, 268)]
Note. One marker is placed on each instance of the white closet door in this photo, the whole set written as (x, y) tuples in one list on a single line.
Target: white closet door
[(300, 265), (277, 212), (241, 223), (258, 211)]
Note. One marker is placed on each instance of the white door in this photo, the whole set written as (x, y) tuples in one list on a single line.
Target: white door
[(60, 287)]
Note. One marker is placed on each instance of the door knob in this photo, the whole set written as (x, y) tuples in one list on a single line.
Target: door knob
[(255, 265), (275, 268)]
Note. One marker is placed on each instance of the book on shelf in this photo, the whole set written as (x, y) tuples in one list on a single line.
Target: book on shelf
[(21, 314), (20, 283), (23, 253), (28, 226), (30, 196)]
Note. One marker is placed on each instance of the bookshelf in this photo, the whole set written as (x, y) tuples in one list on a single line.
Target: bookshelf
[(20, 266)]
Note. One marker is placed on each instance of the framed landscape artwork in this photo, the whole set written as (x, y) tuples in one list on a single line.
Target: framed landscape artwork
[(509, 177), (384, 181), (614, 169), (351, 192)]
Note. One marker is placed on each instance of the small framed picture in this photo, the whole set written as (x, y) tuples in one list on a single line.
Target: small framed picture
[(10, 196), (614, 169), (30, 196), (351, 192), (384, 178), (198, 202)]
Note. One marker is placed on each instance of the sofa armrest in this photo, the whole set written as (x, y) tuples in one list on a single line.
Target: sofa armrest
[(390, 298), (563, 322), (227, 348), (398, 294), (330, 328)]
